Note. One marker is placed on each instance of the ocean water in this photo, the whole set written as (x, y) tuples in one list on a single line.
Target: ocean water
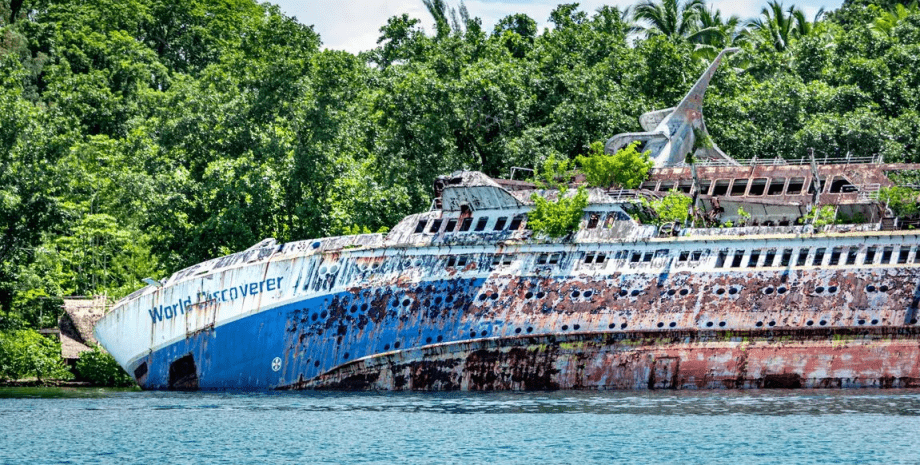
[(781, 427)]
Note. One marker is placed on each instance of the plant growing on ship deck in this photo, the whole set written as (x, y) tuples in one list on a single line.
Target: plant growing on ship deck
[(556, 218), (902, 201), (628, 168), (672, 208)]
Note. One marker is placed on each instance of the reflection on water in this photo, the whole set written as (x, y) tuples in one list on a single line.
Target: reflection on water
[(97, 425)]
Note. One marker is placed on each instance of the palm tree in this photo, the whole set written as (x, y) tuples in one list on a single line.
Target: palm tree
[(778, 26), (884, 24), (446, 18), (713, 34), (671, 18)]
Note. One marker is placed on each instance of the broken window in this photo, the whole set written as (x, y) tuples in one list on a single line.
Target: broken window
[(776, 186), (451, 225), (721, 187), (758, 186), (685, 186), (819, 257), (542, 259), (795, 186), (736, 261), (755, 256), (451, 261), (516, 222), (601, 258), (481, 224), (769, 257), (684, 256), (647, 257), (705, 184), (420, 227), (720, 260), (851, 255), (835, 256), (500, 223), (435, 226), (621, 255), (461, 260), (902, 256), (649, 185), (697, 255), (636, 256), (803, 258), (815, 185), (665, 186), (886, 255), (662, 253), (589, 257), (739, 187), (870, 256), (593, 219), (465, 225), (554, 259), (786, 258), (841, 184)]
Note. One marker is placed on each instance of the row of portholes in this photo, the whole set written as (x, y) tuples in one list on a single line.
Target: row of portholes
[(731, 291), (673, 292), (872, 288)]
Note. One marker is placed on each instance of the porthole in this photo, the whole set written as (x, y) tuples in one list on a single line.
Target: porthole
[(588, 294), (721, 324), (576, 327), (483, 296), (322, 270), (720, 291), (883, 288), (494, 296), (822, 322), (541, 295), (427, 340), (316, 363), (364, 306), (733, 290), (672, 324), (386, 347), (771, 324), (623, 326), (530, 329), (483, 333), (611, 326), (861, 322), (314, 317), (759, 324), (709, 324), (576, 294), (396, 302), (660, 324), (671, 292), (345, 356), (913, 321), (528, 295), (517, 330), (406, 302), (623, 292), (819, 289), (334, 269), (354, 308), (440, 338), (396, 345), (809, 323), (870, 288), (565, 327), (472, 334), (875, 322), (768, 291), (449, 299), (832, 289), (635, 292), (781, 290), (323, 314), (684, 291)]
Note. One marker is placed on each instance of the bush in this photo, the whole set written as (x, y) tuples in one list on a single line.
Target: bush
[(901, 200), (627, 168), (101, 369), (556, 219), (28, 354), (673, 208)]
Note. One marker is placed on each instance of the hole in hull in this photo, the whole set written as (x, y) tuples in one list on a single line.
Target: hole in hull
[(183, 375)]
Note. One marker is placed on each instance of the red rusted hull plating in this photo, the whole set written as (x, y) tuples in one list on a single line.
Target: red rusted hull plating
[(880, 357)]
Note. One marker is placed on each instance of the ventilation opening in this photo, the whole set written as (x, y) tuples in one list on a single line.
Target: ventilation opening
[(183, 376)]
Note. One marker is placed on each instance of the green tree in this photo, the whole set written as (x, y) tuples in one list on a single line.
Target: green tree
[(28, 354), (903, 201), (560, 217), (674, 19), (672, 208), (627, 168), (101, 369)]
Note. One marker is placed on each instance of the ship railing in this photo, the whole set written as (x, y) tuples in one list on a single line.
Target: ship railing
[(779, 161), (868, 192)]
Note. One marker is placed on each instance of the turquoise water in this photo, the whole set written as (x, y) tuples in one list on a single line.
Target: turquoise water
[(103, 426)]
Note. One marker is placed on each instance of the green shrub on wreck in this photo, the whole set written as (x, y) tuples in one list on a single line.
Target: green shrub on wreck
[(26, 354), (101, 369)]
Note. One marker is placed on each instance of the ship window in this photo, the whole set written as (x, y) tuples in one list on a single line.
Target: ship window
[(554, 259), (593, 219), (755, 256), (451, 225), (542, 258), (500, 223), (835, 256), (803, 258), (451, 261), (507, 259), (665, 186), (496, 260), (461, 260), (685, 186), (465, 225), (601, 258), (662, 253), (435, 225), (795, 186), (851, 255), (621, 255), (697, 255), (769, 257), (902, 256), (886, 255), (720, 260), (841, 184), (684, 256), (705, 184), (481, 224), (815, 184), (636, 256), (776, 186), (420, 227), (786, 258), (650, 185), (819, 257), (516, 222), (739, 187), (917, 256), (647, 257), (870, 256), (736, 261), (721, 187), (758, 186), (589, 258)]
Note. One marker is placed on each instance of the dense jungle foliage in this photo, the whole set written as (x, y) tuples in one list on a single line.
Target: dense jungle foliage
[(138, 137)]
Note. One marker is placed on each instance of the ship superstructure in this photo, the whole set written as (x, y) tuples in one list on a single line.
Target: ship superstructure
[(466, 296)]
